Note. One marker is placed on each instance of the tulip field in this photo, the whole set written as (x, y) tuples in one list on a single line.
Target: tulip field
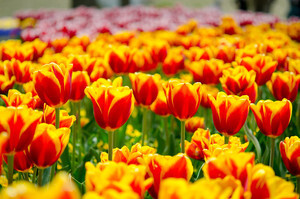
[(142, 102)]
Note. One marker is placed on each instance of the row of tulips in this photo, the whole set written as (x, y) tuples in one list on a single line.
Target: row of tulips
[(48, 107)]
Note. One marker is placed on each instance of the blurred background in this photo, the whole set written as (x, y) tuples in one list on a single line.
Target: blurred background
[(280, 8)]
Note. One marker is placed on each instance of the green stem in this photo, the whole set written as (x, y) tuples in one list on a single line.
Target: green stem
[(298, 185), (167, 132), (34, 175), (78, 125), (74, 133), (259, 96), (272, 153), (226, 139), (110, 144), (254, 140), (57, 115), (10, 165), (144, 127), (200, 169), (40, 177), (26, 177), (182, 136)]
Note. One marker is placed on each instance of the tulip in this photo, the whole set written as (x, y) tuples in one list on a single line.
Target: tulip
[(83, 63), (127, 156), (15, 98), (7, 80), (284, 85), (208, 90), (196, 54), (238, 81), (22, 162), (207, 71), (3, 139), (109, 176), (163, 167), (158, 49), (101, 70), (229, 164), (48, 144), (29, 88), (199, 142), (192, 124), (119, 58), (225, 53), (160, 106), (49, 117), (80, 80), (229, 112), (112, 107), (294, 66), (58, 79), (263, 66), (289, 149), (145, 87), (263, 183), (272, 119), (20, 124), (59, 44), (173, 62), (21, 70), (183, 100), (82, 41), (39, 48), (203, 188)]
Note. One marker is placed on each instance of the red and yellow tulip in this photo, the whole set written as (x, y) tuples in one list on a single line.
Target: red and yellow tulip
[(229, 112), (48, 144), (272, 118), (53, 84), (15, 98), (183, 98), (290, 153), (192, 124), (80, 80), (284, 85), (145, 87), (238, 81), (20, 124)]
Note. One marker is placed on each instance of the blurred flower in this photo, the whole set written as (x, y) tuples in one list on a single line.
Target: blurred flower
[(29, 88), (263, 183), (160, 106), (229, 112), (15, 98), (20, 124), (112, 105), (82, 41), (229, 164), (238, 81), (199, 142), (127, 156), (203, 188), (289, 149), (263, 65), (7, 79), (59, 44), (145, 87), (207, 71), (158, 49), (229, 26), (173, 62), (39, 48), (83, 63), (119, 58), (192, 124), (22, 162), (53, 84), (294, 66), (65, 120), (120, 177), (48, 144), (80, 80), (208, 90), (284, 85), (183, 98), (197, 53), (21, 70), (225, 53), (272, 118), (218, 147), (163, 167)]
